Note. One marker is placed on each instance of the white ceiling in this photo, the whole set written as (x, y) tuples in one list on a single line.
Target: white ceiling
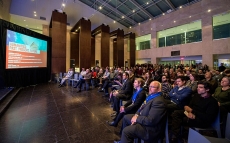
[(22, 13)]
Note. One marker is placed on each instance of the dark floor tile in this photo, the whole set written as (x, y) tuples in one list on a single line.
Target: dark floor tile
[(13, 117), (10, 133), (78, 120), (40, 109), (43, 130), (41, 92), (94, 135), (67, 104), (42, 98), (101, 110)]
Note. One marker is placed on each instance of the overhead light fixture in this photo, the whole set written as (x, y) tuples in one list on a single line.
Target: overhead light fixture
[(174, 21), (34, 11), (100, 7), (114, 21), (63, 4), (26, 25), (209, 10), (35, 15), (190, 16), (123, 17), (147, 3), (180, 6), (133, 10), (163, 14), (150, 19), (139, 24), (151, 29), (130, 27), (24, 20)]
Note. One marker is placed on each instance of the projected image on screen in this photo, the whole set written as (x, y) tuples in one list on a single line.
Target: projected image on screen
[(23, 51)]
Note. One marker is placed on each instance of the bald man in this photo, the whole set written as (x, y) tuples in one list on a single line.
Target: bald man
[(148, 123)]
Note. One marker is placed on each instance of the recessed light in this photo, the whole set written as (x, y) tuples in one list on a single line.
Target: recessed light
[(34, 11), (209, 10), (100, 7), (79, 27), (150, 19), (114, 21), (122, 17), (151, 29), (63, 4), (133, 10), (130, 27), (24, 20), (174, 21), (139, 23), (163, 14), (190, 16), (180, 6), (35, 14), (147, 3)]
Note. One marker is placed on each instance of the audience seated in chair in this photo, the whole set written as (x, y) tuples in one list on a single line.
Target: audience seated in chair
[(166, 87), (67, 76), (85, 79), (149, 121), (133, 104), (201, 112), (179, 96), (222, 95), (124, 93), (214, 83)]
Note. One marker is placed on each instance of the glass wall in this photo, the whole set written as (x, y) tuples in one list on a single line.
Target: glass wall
[(182, 34), (221, 26), (143, 42)]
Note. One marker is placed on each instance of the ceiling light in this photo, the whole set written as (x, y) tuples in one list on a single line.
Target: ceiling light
[(161, 25), (130, 27), (147, 3), (100, 7), (163, 13), (114, 21), (190, 16), (26, 25), (34, 11), (180, 6), (174, 21), (63, 4), (209, 10), (133, 10), (150, 19), (79, 27), (139, 24), (151, 29), (122, 17), (24, 20), (35, 14)]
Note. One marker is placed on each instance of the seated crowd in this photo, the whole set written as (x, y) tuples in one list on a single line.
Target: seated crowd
[(144, 96)]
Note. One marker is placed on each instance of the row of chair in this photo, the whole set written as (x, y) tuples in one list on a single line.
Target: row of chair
[(195, 137)]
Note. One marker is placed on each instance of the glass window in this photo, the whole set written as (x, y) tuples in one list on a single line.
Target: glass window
[(182, 34), (221, 26), (143, 42)]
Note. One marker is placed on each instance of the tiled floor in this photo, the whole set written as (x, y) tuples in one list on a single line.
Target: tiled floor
[(46, 114)]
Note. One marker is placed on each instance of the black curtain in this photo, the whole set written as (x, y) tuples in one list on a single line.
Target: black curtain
[(25, 76)]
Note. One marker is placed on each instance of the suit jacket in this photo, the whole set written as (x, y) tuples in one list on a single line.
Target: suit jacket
[(153, 118), (126, 91), (133, 107)]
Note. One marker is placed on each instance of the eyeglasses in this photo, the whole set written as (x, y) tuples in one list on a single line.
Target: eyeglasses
[(153, 86)]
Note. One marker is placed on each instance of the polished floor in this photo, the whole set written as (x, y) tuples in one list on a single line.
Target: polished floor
[(45, 113)]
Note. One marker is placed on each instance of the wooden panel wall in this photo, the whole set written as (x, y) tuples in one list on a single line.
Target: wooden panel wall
[(58, 34), (132, 49), (74, 52), (115, 55), (105, 35), (85, 43), (93, 63), (120, 48)]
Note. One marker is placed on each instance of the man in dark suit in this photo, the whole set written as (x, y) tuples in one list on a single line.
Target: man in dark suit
[(148, 123), (133, 104), (125, 93)]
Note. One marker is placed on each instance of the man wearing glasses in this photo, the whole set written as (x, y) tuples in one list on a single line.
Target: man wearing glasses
[(148, 123)]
